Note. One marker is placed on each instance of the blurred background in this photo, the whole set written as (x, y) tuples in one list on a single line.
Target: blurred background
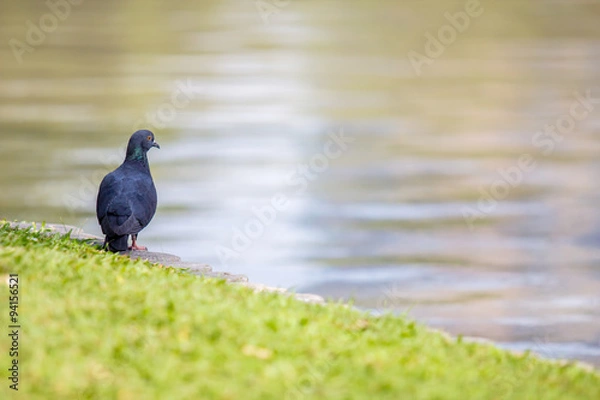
[(242, 93)]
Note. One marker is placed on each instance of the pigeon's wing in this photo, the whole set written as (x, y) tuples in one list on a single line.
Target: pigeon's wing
[(114, 208), (142, 196), (109, 187)]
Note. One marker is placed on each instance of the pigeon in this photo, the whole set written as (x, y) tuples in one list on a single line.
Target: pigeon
[(127, 197)]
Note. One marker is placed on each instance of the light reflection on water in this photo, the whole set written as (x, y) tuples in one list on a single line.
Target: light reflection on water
[(384, 223)]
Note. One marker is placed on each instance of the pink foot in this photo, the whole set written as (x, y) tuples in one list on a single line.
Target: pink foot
[(134, 245), (139, 248)]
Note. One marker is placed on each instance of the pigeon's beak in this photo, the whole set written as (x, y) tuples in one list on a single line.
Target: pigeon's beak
[(156, 145)]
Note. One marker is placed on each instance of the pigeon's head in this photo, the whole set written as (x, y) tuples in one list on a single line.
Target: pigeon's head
[(143, 139), (139, 144)]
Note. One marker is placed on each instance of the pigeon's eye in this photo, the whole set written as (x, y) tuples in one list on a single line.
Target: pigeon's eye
[(149, 138)]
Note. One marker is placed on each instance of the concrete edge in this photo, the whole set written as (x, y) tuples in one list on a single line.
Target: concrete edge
[(168, 260)]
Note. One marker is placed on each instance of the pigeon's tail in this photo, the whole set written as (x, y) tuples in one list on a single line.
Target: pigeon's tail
[(116, 243)]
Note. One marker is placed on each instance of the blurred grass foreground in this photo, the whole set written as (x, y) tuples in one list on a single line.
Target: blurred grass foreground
[(100, 326)]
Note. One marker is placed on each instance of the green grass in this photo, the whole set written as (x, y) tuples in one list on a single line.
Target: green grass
[(100, 326)]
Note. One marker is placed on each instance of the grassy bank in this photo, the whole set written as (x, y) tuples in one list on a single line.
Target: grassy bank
[(99, 326)]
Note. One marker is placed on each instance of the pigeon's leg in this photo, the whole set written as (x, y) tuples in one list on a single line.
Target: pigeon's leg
[(134, 245)]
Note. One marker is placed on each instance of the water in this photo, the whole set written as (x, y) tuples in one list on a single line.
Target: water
[(400, 219)]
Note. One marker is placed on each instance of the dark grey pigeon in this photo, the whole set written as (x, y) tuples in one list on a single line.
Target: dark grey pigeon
[(127, 197)]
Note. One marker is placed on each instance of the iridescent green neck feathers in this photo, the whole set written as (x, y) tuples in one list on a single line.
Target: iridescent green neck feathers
[(136, 154)]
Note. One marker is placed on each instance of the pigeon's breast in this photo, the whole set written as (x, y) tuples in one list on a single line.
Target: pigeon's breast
[(142, 197)]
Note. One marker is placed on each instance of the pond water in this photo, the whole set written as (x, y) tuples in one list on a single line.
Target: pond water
[(465, 192)]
